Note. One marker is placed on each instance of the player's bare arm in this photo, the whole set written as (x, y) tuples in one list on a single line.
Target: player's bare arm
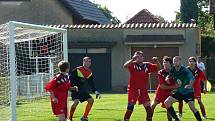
[(190, 85), (129, 62)]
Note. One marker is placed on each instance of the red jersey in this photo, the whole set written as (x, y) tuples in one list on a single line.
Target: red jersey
[(139, 74), (60, 85), (162, 74), (199, 76)]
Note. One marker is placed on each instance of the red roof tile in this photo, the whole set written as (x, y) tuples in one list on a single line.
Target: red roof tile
[(144, 16), (127, 26)]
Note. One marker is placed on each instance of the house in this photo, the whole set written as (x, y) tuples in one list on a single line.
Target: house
[(51, 12), (111, 45), (107, 44)]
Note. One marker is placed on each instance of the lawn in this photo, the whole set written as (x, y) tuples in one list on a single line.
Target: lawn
[(110, 108)]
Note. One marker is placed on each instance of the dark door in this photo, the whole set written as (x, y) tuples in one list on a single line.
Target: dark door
[(101, 66)]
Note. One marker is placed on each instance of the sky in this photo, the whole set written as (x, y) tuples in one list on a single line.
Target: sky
[(125, 9)]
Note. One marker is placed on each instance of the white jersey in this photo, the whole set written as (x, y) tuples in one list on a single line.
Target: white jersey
[(201, 66)]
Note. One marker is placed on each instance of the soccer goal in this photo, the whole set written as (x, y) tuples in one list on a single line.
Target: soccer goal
[(28, 59)]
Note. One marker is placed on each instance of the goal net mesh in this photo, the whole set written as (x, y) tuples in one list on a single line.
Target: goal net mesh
[(37, 53)]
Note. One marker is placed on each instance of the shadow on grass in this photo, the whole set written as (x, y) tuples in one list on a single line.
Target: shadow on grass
[(210, 118), (108, 109)]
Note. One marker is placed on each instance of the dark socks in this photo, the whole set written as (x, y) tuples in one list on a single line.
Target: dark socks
[(127, 115), (198, 117), (171, 111), (149, 113)]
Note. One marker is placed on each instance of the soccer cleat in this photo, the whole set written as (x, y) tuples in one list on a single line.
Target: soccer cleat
[(179, 116), (84, 119), (204, 117)]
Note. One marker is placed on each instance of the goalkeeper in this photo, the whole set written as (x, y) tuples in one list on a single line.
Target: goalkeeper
[(82, 77), (185, 92)]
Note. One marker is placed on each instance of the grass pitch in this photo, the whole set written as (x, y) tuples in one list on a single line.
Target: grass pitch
[(110, 108)]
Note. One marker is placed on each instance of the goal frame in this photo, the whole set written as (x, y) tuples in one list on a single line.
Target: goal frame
[(11, 26)]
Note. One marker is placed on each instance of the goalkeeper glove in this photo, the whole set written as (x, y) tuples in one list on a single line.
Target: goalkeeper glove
[(98, 95)]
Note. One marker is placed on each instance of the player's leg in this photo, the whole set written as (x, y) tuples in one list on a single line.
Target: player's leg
[(194, 110), (145, 100), (202, 107), (180, 108), (61, 117), (148, 109), (189, 98), (153, 105), (169, 117), (73, 107), (197, 95), (88, 107), (168, 103), (132, 98)]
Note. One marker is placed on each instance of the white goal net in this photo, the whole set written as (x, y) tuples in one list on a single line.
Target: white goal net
[(28, 59)]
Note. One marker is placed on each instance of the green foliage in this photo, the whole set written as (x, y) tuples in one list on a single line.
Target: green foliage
[(207, 46), (205, 23), (189, 10), (108, 14)]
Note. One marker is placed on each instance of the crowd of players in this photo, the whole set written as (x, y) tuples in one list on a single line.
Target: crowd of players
[(177, 83)]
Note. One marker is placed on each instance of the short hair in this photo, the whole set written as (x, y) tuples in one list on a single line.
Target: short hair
[(85, 58), (192, 58), (177, 57), (63, 66), (138, 52), (167, 58)]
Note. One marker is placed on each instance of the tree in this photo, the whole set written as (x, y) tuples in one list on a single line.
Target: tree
[(189, 10), (108, 13)]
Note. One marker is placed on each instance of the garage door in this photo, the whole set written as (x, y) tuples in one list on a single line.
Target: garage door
[(150, 52)]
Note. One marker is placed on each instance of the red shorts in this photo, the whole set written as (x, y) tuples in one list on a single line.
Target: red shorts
[(59, 108), (161, 97), (197, 93), (140, 95)]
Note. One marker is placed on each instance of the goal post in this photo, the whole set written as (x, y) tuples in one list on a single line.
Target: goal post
[(29, 54)]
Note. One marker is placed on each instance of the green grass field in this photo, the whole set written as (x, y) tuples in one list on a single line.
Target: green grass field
[(110, 108)]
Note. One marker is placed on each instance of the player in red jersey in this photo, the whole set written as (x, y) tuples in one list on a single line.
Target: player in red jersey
[(137, 86), (58, 88), (199, 76), (164, 90)]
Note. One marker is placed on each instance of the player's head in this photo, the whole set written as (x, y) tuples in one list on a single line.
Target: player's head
[(87, 62), (139, 56), (64, 66), (199, 59), (167, 62), (177, 61), (192, 61)]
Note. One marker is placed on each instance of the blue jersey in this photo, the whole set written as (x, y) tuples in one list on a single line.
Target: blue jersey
[(185, 76)]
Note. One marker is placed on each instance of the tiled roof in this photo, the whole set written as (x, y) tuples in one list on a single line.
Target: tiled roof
[(144, 16), (124, 26), (86, 10)]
